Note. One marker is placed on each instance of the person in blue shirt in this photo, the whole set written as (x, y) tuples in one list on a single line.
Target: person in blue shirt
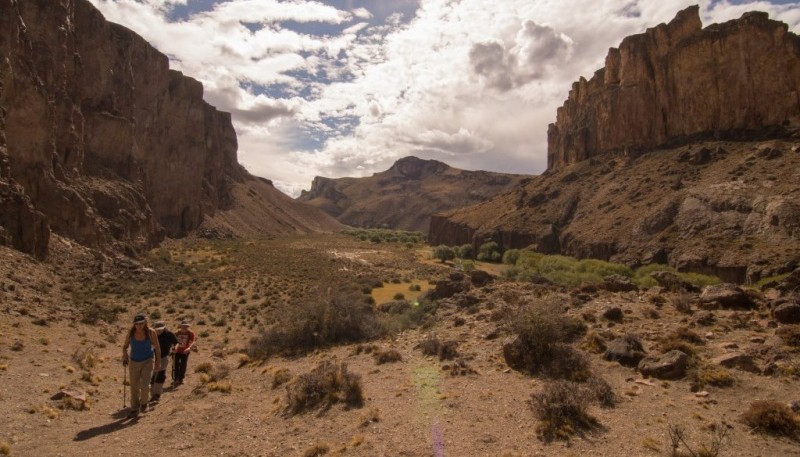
[(145, 356)]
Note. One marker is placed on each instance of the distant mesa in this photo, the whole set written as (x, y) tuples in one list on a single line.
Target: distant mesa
[(682, 150), (406, 195)]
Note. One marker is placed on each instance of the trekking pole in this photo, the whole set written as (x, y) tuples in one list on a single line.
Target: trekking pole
[(173, 370), (124, 383)]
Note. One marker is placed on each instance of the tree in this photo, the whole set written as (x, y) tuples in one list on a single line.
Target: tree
[(487, 251)]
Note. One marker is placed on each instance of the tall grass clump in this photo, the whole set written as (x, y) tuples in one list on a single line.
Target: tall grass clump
[(321, 319)]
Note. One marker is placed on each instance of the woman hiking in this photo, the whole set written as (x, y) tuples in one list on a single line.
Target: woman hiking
[(145, 356)]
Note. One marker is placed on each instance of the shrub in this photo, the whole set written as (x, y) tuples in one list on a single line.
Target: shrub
[(464, 251), (388, 356), (281, 377), (710, 375), (561, 407), (773, 418), (541, 344), (327, 384), (431, 345), (682, 302), (489, 251), (443, 253), (790, 334), (511, 256), (319, 321), (642, 278)]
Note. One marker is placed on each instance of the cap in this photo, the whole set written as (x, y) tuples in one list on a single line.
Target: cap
[(159, 325), (139, 318)]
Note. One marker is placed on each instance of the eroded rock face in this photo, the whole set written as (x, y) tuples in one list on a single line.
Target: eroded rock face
[(678, 82), (699, 202), (106, 143)]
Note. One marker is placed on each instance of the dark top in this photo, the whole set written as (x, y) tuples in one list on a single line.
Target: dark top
[(166, 340)]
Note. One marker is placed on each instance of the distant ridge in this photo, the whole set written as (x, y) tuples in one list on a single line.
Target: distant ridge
[(406, 195)]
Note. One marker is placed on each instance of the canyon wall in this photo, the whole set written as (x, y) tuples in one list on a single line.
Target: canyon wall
[(678, 83), (99, 140)]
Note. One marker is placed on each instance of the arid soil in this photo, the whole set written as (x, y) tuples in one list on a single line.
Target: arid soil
[(63, 322)]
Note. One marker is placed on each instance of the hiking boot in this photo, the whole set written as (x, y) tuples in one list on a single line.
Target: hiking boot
[(133, 413), (155, 397), (143, 409)]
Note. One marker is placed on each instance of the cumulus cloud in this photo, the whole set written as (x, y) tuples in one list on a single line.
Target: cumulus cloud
[(315, 89)]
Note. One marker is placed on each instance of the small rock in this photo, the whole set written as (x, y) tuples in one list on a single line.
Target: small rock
[(709, 335), (725, 295), (703, 393), (670, 365), (618, 283), (737, 360), (757, 339), (613, 314), (628, 351)]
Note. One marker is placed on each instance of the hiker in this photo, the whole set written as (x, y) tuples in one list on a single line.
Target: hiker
[(145, 357), (186, 340), (166, 340)]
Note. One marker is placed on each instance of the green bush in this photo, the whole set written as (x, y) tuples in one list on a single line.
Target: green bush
[(511, 256), (489, 252), (464, 251), (443, 253)]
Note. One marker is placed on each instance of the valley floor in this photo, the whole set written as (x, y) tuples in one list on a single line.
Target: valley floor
[(63, 322)]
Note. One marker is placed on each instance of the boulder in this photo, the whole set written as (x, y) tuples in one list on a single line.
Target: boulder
[(725, 295), (628, 351), (787, 313), (672, 282), (480, 278), (670, 365), (618, 283)]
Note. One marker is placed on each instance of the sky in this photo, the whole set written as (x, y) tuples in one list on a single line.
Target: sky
[(341, 88)]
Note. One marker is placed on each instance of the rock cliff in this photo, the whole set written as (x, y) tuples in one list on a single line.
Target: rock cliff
[(405, 195), (678, 83), (100, 141), (683, 150)]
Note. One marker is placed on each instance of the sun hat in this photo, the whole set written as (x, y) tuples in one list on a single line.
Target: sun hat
[(139, 318), (159, 325)]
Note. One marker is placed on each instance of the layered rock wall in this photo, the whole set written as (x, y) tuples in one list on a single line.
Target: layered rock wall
[(104, 142), (677, 83)]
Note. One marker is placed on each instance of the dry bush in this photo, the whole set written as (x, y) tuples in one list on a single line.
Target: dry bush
[(600, 390), (593, 343), (281, 377), (317, 321), (682, 302), (447, 350), (541, 346), (387, 356), (680, 447), (212, 374), (710, 375), (561, 409), (316, 450), (327, 384), (773, 418), (204, 367), (790, 334)]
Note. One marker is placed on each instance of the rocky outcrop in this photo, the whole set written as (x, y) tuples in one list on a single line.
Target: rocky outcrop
[(104, 143), (726, 208), (406, 195), (677, 83)]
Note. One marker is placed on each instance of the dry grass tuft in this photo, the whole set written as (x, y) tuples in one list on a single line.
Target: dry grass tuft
[(317, 450), (327, 384), (281, 377), (773, 418), (387, 356)]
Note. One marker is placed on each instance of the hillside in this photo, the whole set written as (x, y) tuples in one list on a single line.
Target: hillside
[(404, 196), (101, 142), (720, 197)]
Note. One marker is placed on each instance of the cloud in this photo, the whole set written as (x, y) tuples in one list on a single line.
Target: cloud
[(318, 90)]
